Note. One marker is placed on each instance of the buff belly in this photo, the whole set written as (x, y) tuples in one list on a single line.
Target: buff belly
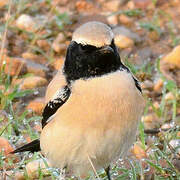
[(98, 124)]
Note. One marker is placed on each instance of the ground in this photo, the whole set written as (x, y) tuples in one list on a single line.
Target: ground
[(34, 36)]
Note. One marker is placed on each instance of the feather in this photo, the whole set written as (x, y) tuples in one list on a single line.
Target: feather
[(33, 146), (53, 105), (50, 109)]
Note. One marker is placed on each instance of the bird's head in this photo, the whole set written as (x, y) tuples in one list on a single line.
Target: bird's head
[(92, 52)]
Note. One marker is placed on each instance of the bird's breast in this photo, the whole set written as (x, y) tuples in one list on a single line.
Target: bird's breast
[(100, 118), (108, 101)]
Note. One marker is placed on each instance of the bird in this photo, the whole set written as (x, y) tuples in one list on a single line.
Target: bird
[(93, 105)]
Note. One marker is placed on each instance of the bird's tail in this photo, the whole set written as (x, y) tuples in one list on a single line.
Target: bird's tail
[(33, 146)]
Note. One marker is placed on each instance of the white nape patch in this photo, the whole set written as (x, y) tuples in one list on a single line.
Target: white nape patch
[(93, 33)]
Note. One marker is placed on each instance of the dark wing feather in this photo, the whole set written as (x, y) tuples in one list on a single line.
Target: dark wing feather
[(53, 105), (50, 109), (138, 86), (33, 146)]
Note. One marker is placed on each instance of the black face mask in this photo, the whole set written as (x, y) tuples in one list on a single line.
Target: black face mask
[(85, 61)]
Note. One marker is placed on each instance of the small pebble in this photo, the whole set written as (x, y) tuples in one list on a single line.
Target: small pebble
[(19, 176), (37, 105), (5, 146), (169, 96), (138, 151), (166, 126), (33, 82), (151, 121), (158, 85), (58, 63), (112, 20), (112, 5), (32, 168), (121, 30), (147, 85), (125, 19), (14, 66), (153, 35), (175, 143), (123, 42), (173, 57), (26, 22)]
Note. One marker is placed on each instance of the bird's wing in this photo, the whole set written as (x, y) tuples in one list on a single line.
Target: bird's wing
[(58, 82), (52, 106), (138, 86), (33, 146)]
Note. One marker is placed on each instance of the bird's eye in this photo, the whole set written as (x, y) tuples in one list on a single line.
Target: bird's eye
[(88, 48), (84, 48)]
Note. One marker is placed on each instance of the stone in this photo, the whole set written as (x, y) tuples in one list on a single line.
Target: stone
[(147, 84), (138, 151), (156, 104), (60, 38), (32, 82), (26, 22), (3, 3), (59, 2), (83, 6), (125, 20), (151, 121), (143, 4), (58, 63), (170, 65), (37, 105), (13, 66), (178, 134), (35, 68), (19, 66), (169, 96), (173, 57), (28, 55), (44, 44), (131, 5), (143, 55), (58, 44), (123, 41), (175, 143), (19, 176), (158, 85), (121, 30), (153, 35), (166, 126), (176, 163), (5, 146), (60, 48), (18, 45), (112, 20), (35, 58), (112, 5), (32, 168), (146, 93)]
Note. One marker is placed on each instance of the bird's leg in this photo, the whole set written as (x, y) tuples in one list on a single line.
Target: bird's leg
[(62, 174), (108, 172)]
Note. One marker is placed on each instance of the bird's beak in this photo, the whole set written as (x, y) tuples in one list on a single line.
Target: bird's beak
[(106, 50)]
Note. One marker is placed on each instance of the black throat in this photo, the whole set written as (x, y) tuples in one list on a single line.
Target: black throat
[(85, 61)]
